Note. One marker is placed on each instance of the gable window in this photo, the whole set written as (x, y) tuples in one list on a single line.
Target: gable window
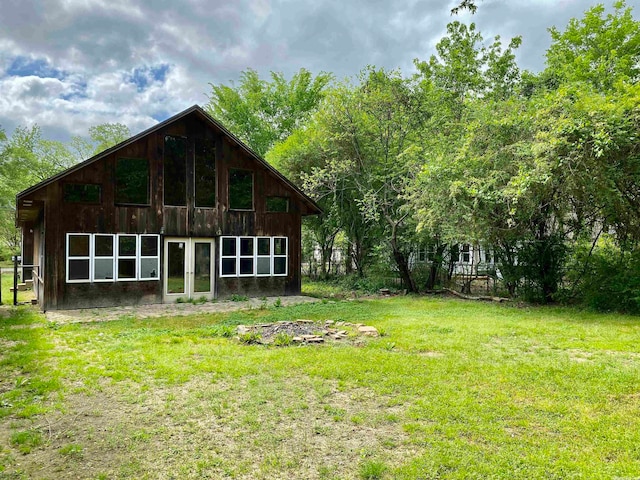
[(132, 181), (253, 256), (240, 189), (78, 257), (205, 174), (82, 193), (175, 171), (277, 204), (103, 258)]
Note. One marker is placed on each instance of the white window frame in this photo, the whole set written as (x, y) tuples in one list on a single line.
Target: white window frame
[(285, 256), (94, 257), (81, 257), (468, 252), (235, 257), (244, 257), (269, 256), (146, 257), (135, 257), (272, 256)]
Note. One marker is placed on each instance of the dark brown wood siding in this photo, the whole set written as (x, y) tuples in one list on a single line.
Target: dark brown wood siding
[(106, 216)]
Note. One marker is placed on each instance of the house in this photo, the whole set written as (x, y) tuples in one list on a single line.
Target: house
[(182, 210)]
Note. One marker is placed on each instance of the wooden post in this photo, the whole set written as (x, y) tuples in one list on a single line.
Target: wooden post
[(15, 280)]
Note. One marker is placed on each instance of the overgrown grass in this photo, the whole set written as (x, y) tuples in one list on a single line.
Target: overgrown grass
[(453, 390)]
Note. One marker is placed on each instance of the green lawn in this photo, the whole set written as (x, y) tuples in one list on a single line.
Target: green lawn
[(452, 389)]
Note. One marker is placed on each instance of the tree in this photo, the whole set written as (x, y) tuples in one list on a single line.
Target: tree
[(602, 51), (262, 113)]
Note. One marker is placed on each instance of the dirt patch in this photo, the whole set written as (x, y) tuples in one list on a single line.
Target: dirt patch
[(170, 309)]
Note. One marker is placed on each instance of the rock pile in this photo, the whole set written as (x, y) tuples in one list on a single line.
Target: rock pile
[(306, 331)]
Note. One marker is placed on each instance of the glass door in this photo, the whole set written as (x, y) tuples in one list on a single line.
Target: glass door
[(188, 268)]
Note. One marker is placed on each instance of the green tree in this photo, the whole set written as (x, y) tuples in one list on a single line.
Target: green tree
[(264, 112), (597, 49)]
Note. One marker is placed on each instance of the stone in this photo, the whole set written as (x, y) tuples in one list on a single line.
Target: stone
[(242, 329), (297, 339), (315, 340), (304, 321), (308, 336), (339, 324), (368, 331), (329, 322)]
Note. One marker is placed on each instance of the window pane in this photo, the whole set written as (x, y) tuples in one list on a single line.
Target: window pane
[(228, 266), (277, 204), (202, 273), (103, 246), (246, 266), (246, 246), (127, 246), (175, 267), (79, 245), (148, 268), (205, 176), (175, 171), (279, 266), (132, 181), (149, 246), (82, 193), (264, 266), (264, 246), (103, 269), (126, 268), (279, 246), (240, 189), (228, 247), (79, 269)]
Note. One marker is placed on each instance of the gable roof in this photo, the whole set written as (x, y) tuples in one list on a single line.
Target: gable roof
[(197, 110)]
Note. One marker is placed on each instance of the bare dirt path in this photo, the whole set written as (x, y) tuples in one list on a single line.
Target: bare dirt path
[(169, 309)]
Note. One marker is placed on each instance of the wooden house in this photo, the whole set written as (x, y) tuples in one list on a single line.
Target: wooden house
[(182, 210)]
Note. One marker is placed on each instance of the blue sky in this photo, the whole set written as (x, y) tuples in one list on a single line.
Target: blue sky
[(70, 64)]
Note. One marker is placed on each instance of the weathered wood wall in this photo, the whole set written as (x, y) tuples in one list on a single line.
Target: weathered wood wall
[(106, 216)]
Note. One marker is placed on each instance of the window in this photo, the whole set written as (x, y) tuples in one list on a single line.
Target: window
[(466, 253), (127, 257), (228, 257), (240, 190), (253, 256), (246, 256), (149, 257), (263, 264), (78, 257), (175, 171), (277, 204), (205, 174), (132, 181), (104, 257), (280, 256), (82, 193)]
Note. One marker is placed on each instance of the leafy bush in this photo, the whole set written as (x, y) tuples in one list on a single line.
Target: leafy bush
[(606, 280)]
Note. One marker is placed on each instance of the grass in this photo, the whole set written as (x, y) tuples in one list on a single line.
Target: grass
[(453, 390)]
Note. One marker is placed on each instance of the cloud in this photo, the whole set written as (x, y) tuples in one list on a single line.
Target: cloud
[(71, 64)]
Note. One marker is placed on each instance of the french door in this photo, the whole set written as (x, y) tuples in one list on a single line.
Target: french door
[(188, 268)]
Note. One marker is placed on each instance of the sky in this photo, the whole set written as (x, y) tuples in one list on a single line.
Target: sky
[(67, 65)]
